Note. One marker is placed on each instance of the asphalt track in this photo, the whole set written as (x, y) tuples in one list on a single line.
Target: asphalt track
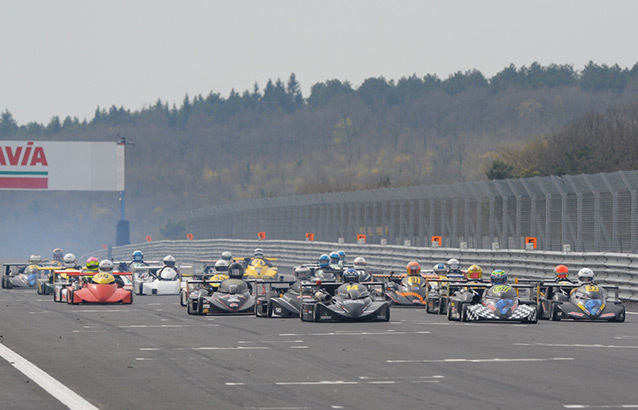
[(152, 354)]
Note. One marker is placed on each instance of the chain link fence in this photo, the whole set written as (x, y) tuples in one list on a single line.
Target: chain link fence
[(586, 213)]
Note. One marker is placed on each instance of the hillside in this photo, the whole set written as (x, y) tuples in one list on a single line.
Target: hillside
[(275, 141)]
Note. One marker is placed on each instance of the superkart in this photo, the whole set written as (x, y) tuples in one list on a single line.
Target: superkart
[(279, 298), (479, 302), (406, 290), (348, 302), (229, 296), (581, 302), (103, 288), (147, 280)]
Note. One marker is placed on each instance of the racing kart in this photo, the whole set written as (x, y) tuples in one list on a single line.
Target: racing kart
[(19, 275), (62, 279), (405, 290), (229, 296), (279, 298), (342, 302), (472, 302), (259, 268), (437, 298), (44, 285), (102, 289), (147, 280), (581, 302)]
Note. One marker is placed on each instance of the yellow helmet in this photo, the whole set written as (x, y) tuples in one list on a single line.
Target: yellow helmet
[(475, 272)]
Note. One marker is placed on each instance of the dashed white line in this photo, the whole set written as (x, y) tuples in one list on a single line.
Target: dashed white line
[(56, 389), (493, 360), (362, 381), (601, 406), (387, 333), (576, 345)]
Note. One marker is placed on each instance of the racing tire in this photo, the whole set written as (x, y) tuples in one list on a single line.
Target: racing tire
[(316, 317), (621, 316), (555, 313), (140, 289), (199, 306), (183, 299), (189, 309), (69, 297), (131, 301), (464, 317), (268, 309), (449, 313), (3, 285), (442, 306), (532, 319), (429, 309), (386, 317), (38, 289), (8, 284)]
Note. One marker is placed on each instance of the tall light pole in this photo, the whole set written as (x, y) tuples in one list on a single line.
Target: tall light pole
[(122, 231)]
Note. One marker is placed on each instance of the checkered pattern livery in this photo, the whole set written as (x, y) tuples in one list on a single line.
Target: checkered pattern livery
[(480, 312)]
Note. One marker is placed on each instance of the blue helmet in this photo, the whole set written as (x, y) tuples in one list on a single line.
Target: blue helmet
[(138, 256), (351, 275), (334, 257), (439, 269), (498, 277), (324, 261), (342, 255)]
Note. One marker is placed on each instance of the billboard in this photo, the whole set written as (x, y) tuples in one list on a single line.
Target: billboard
[(61, 166)]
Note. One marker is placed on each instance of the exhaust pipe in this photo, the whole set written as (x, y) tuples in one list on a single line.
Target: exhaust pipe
[(322, 297)]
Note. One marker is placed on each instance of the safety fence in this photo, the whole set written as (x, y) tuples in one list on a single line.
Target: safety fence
[(610, 268), (586, 213)]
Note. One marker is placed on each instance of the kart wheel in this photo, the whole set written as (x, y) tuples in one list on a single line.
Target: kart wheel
[(189, 308), (316, 317), (69, 296), (621, 316), (464, 317), (8, 284), (429, 306), (140, 289), (387, 314), (269, 310), (449, 313), (3, 285), (199, 306), (183, 299), (131, 301), (442, 306), (555, 312), (533, 318)]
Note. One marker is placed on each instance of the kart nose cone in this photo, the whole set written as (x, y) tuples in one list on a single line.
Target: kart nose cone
[(593, 306)]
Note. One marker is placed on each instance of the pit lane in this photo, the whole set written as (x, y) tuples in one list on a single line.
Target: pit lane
[(152, 354)]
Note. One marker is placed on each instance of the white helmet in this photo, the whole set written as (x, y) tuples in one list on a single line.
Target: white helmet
[(227, 256), (221, 266), (359, 263), (106, 266), (169, 261), (35, 259), (259, 253), (453, 265), (69, 260), (586, 275)]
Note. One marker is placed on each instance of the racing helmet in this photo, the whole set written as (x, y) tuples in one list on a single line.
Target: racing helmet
[(324, 261), (69, 260), (439, 269), (342, 255), (57, 254), (303, 273), (92, 263), (235, 270), (106, 266), (350, 275), (221, 267), (453, 265), (498, 277), (35, 259), (586, 275), (258, 253), (169, 260), (334, 258), (359, 263), (413, 268), (138, 256), (560, 272), (475, 272), (227, 256)]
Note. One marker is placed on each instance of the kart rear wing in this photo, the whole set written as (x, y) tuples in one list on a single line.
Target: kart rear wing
[(610, 289), (263, 287), (531, 293), (7, 267), (331, 287)]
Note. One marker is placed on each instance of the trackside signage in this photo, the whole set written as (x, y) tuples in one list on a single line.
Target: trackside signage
[(61, 166)]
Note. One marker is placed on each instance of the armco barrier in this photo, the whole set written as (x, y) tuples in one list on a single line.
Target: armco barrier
[(613, 268)]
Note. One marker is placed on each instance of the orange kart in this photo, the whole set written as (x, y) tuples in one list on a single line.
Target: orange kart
[(102, 288)]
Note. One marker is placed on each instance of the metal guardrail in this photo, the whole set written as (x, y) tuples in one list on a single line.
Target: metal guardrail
[(613, 268)]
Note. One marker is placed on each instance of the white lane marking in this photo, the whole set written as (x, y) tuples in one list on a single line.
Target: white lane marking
[(361, 381), (269, 341), (631, 313), (601, 406), (575, 345), (149, 348), (37, 313), (494, 360), (223, 348), (390, 333), (621, 337), (102, 311), (282, 408), (154, 304), (162, 326), (298, 347), (56, 389)]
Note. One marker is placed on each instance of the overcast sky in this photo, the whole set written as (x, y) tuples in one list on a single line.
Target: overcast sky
[(66, 57)]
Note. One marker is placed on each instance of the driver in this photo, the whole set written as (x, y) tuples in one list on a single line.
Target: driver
[(71, 262), (360, 265), (561, 277), (498, 277), (350, 277), (138, 259), (220, 270), (227, 256), (454, 269), (474, 277), (258, 254), (57, 255), (105, 276), (334, 260), (342, 259), (325, 272), (169, 271)]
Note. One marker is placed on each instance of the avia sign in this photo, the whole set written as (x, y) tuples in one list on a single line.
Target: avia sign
[(61, 166)]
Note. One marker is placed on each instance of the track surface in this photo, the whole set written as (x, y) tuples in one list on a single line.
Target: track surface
[(152, 354)]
